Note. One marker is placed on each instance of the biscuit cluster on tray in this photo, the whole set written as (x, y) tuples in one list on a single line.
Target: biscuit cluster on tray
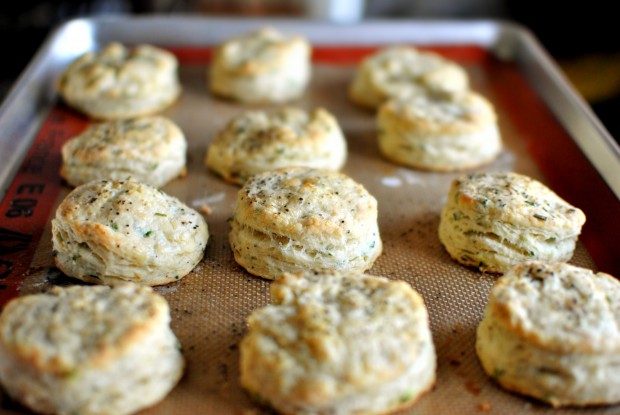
[(428, 118), (333, 340)]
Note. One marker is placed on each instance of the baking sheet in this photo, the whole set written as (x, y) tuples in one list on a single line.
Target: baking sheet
[(209, 306)]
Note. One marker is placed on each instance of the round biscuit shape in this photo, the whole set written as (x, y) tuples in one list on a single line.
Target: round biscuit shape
[(262, 66), (90, 350), (149, 149), (439, 132), (397, 70), (256, 141), (552, 331), (108, 232), (339, 343), (493, 221), (298, 218), (118, 82)]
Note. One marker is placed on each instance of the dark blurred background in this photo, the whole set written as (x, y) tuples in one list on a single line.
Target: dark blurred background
[(579, 35)]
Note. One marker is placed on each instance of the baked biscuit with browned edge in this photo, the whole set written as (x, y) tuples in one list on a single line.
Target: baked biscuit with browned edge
[(493, 221), (338, 343), (439, 132), (89, 350), (258, 141), (148, 149), (404, 70), (298, 218), (108, 232), (260, 67), (119, 82), (552, 331)]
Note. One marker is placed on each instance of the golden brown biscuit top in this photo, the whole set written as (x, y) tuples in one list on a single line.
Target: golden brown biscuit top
[(560, 307), (329, 334), (397, 68), (515, 199), (136, 137), (257, 51), (118, 72), (304, 201), (126, 213), (256, 132), (66, 329), (442, 114)]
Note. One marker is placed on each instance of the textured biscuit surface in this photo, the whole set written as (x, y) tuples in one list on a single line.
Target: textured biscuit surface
[(118, 82), (439, 132), (257, 141), (106, 232), (496, 220), (339, 343), (261, 66), (399, 70), (552, 331), (150, 150), (298, 218), (89, 350)]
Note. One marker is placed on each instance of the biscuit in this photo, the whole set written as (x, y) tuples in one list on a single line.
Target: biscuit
[(89, 350), (496, 220), (297, 218), (261, 66), (117, 82), (256, 141), (150, 150), (107, 232), (338, 344), (439, 132), (398, 70), (552, 331)]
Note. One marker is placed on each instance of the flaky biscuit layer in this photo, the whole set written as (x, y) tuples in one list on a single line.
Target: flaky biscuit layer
[(118, 83), (552, 331), (257, 141), (404, 70), (89, 350), (340, 343), (496, 220), (300, 218), (149, 149), (107, 232), (261, 66), (439, 132)]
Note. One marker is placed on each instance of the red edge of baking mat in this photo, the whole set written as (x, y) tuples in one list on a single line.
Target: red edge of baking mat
[(27, 205)]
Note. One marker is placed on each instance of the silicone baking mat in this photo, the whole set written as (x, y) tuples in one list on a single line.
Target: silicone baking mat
[(210, 305)]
